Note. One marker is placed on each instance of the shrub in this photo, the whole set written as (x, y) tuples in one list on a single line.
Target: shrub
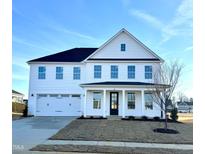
[(25, 111), (131, 117), (156, 118), (144, 117), (174, 115)]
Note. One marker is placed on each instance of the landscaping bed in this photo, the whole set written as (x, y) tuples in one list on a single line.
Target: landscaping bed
[(125, 130), (107, 149)]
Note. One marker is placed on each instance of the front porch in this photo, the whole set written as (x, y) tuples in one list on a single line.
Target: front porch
[(118, 101)]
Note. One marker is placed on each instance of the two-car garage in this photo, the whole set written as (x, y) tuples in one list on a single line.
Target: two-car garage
[(58, 105)]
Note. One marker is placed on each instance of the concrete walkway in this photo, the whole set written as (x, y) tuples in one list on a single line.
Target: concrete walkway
[(121, 144)]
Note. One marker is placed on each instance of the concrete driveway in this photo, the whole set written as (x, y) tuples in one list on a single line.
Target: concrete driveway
[(29, 132)]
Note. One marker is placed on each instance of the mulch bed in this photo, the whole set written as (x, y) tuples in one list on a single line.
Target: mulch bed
[(107, 149), (153, 120), (124, 130), (163, 130)]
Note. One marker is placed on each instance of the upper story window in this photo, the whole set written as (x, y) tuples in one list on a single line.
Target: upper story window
[(97, 71), (41, 72), (131, 100), (131, 72), (148, 101), (123, 47), (114, 71), (148, 72), (76, 73), (97, 98), (59, 72)]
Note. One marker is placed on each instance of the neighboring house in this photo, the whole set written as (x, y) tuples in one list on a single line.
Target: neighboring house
[(114, 79), (17, 97), (185, 107)]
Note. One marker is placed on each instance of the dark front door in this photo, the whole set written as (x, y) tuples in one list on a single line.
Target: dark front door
[(113, 103)]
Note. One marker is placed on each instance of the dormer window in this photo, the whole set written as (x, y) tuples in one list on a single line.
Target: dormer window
[(123, 47)]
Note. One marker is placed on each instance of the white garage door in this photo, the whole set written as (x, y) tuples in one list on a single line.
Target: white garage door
[(58, 105)]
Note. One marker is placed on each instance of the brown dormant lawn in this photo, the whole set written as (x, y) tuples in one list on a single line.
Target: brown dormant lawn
[(122, 130)]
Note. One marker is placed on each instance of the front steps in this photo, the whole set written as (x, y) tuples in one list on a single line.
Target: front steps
[(114, 117)]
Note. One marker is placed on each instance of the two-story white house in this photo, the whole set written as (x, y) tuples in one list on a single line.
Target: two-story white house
[(114, 79)]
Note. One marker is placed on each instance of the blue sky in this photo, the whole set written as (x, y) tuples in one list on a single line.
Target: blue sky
[(42, 27)]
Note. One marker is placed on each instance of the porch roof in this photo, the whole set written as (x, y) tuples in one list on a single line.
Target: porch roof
[(120, 83)]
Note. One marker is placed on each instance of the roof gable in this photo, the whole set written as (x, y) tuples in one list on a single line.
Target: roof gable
[(134, 48)]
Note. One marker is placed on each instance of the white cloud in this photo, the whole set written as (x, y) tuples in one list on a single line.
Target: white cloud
[(147, 17), (181, 24), (190, 48), (64, 30), (20, 62), (22, 41)]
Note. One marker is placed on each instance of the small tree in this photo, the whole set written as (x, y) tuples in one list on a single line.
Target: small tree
[(166, 79), (174, 115)]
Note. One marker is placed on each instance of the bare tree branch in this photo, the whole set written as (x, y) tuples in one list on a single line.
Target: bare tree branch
[(166, 79)]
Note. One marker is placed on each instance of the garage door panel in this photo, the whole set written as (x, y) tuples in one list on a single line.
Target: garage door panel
[(62, 105)]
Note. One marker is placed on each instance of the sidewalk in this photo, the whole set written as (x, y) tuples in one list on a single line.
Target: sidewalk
[(121, 144)]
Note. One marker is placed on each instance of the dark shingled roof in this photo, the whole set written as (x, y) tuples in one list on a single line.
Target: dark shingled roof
[(72, 55), (16, 92), (120, 83)]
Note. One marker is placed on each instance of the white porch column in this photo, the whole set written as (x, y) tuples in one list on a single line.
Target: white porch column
[(84, 104), (123, 103), (142, 95), (104, 103)]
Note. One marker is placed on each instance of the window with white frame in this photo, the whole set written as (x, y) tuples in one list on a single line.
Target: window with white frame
[(114, 71), (131, 100), (123, 47), (97, 98), (148, 72), (148, 100), (59, 72), (97, 71), (131, 72), (76, 73), (41, 72)]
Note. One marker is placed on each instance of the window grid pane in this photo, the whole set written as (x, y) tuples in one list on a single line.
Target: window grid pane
[(41, 72), (114, 72), (59, 72), (123, 47), (148, 72), (97, 71), (131, 100), (97, 96), (76, 73), (148, 101), (131, 72)]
